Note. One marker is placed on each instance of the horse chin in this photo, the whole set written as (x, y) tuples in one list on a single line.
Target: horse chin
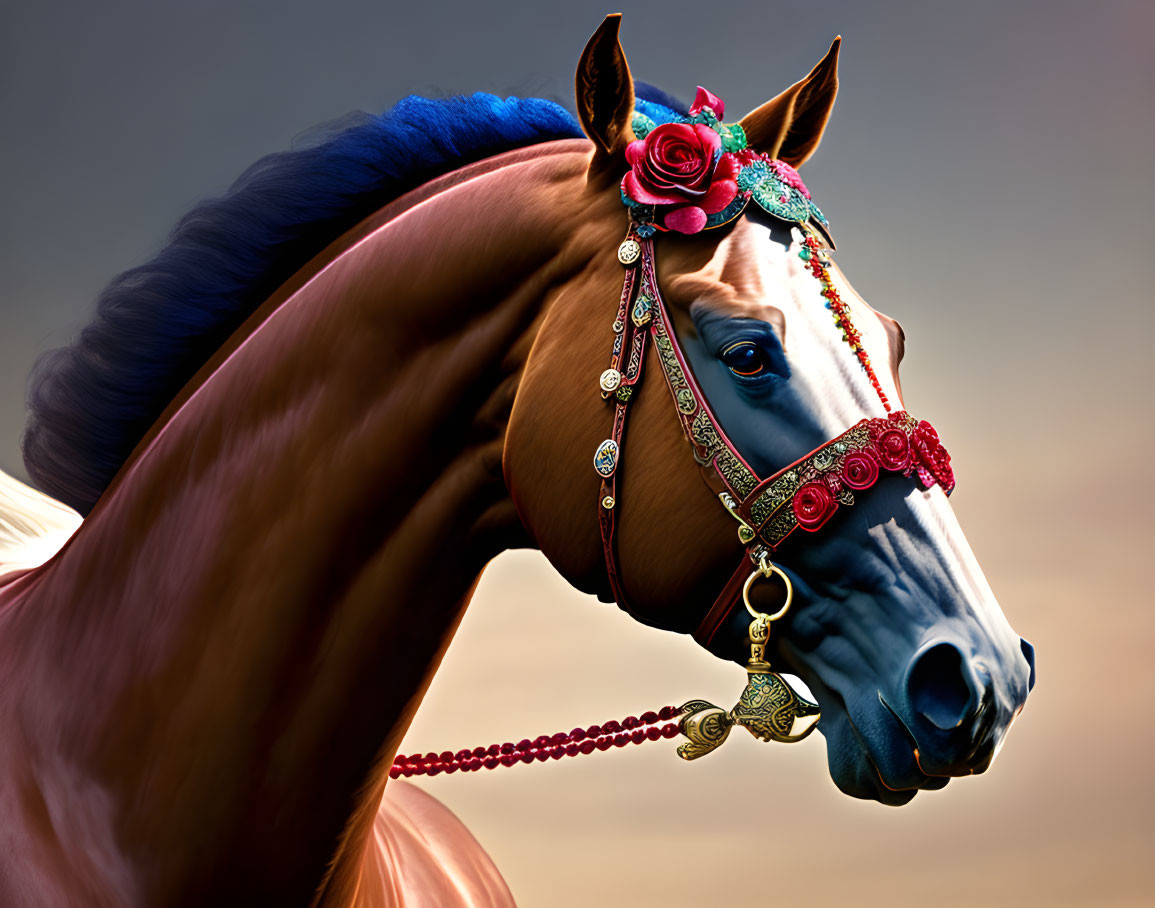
[(871, 757)]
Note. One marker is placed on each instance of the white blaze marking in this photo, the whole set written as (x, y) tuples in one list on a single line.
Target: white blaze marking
[(826, 371)]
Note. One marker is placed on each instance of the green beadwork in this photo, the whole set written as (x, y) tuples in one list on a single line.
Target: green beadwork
[(642, 125), (733, 136), (783, 201), (707, 117), (752, 175), (776, 197)]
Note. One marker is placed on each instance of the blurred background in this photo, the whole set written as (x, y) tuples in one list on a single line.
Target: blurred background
[(988, 175)]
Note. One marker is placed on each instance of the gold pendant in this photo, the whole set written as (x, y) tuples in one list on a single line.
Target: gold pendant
[(769, 708)]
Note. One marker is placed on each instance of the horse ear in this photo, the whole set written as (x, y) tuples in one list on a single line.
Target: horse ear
[(790, 126), (605, 91)]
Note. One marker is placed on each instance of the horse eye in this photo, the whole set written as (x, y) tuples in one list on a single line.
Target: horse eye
[(745, 359)]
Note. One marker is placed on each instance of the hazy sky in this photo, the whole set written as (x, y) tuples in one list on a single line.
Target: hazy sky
[(988, 175)]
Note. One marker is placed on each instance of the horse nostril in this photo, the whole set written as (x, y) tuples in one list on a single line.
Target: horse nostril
[(941, 687), (1029, 652)]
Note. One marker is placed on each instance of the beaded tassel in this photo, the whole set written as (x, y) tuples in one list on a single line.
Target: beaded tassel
[(811, 253)]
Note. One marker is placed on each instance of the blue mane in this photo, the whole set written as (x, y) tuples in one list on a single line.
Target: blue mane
[(90, 403)]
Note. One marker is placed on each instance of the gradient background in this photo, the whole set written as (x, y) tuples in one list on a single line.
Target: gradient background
[(988, 174)]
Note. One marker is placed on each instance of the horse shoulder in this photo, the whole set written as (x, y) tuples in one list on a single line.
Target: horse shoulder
[(420, 854)]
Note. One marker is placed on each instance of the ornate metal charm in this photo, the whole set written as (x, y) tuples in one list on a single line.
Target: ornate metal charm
[(643, 311), (706, 725), (606, 457), (629, 251), (768, 707), (609, 381), (745, 533)]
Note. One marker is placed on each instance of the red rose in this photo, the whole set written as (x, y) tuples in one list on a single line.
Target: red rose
[(925, 442), (813, 506), (935, 462), (944, 473), (893, 449), (860, 470), (932, 455), (682, 165)]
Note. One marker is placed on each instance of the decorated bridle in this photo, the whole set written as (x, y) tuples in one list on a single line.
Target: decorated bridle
[(688, 174)]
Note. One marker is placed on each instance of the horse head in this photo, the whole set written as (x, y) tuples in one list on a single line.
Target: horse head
[(917, 672)]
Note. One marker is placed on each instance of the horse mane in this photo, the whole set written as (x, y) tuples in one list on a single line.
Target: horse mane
[(91, 402)]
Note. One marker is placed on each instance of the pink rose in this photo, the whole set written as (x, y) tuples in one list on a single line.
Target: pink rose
[(893, 449), (681, 165), (708, 99), (813, 506), (860, 470)]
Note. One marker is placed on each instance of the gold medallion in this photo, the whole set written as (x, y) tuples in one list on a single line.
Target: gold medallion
[(629, 251)]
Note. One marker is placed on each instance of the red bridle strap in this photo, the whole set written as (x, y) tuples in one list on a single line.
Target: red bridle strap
[(726, 602)]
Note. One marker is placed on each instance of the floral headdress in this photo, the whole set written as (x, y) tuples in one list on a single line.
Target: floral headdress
[(691, 173)]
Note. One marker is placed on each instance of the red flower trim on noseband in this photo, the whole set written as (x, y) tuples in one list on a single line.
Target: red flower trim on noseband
[(893, 447), (825, 478), (933, 457), (860, 469), (813, 506)]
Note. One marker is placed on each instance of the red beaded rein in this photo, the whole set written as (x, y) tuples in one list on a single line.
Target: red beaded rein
[(580, 741)]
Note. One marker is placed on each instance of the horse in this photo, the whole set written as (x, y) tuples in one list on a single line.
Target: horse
[(297, 437)]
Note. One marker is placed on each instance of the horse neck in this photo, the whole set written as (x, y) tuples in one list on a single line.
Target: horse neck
[(238, 636)]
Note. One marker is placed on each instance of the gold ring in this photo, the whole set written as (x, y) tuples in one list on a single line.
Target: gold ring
[(767, 570)]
